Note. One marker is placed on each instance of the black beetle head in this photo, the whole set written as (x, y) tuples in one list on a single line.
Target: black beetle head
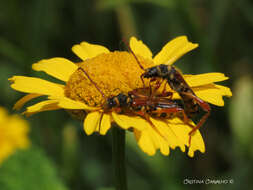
[(150, 72), (156, 71), (111, 103)]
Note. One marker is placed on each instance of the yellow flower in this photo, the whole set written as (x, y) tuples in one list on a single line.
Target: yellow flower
[(13, 134), (116, 72)]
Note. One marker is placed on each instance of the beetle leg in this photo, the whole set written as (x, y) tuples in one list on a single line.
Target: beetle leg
[(200, 123), (204, 105)]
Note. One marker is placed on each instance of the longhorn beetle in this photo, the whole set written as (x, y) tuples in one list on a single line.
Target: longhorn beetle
[(177, 83), (141, 102)]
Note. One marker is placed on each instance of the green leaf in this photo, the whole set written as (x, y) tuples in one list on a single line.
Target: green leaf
[(29, 170)]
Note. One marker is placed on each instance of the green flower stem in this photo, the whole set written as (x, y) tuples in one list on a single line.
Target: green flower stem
[(126, 20), (118, 155)]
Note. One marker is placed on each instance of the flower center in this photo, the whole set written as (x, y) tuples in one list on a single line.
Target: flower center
[(113, 73)]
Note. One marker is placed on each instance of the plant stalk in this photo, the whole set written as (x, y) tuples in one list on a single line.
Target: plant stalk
[(118, 155)]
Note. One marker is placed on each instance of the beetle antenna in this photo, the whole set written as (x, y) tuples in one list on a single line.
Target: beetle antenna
[(92, 81), (128, 47)]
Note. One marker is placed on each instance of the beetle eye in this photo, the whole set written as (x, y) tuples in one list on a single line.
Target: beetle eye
[(111, 103)]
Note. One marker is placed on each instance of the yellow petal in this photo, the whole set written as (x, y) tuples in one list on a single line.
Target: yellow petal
[(212, 93), (3, 115), (126, 122), (21, 102), (173, 50), (145, 142), (18, 129), (202, 79), (224, 90), (86, 50), (36, 86), (68, 103), (46, 105), (156, 139), (166, 130), (139, 48), (197, 143), (162, 138), (137, 134), (105, 124), (160, 142), (58, 67), (91, 122), (182, 130)]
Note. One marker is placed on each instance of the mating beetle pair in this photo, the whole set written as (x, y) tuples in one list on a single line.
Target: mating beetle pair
[(145, 103)]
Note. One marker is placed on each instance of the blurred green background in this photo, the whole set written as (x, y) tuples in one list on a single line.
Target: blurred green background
[(63, 157)]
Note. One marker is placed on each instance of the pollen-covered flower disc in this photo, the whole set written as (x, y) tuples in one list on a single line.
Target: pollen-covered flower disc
[(117, 72), (13, 134)]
